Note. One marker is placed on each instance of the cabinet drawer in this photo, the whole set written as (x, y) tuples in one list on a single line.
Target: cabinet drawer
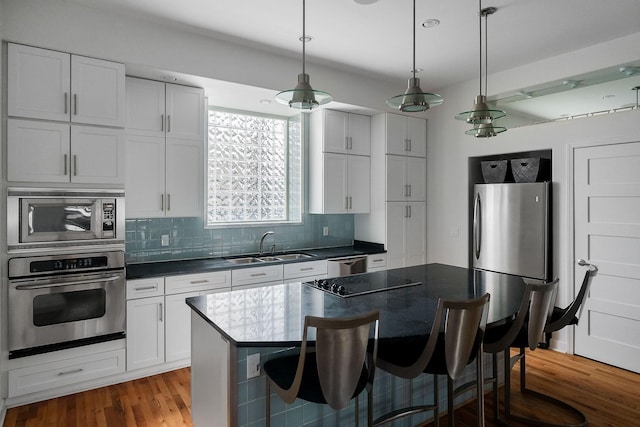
[(305, 269), (376, 262), (197, 282), (247, 276), (60, 373), (143, 288)]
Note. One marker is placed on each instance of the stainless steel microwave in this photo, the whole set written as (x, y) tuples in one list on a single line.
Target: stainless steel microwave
[(55, 218)]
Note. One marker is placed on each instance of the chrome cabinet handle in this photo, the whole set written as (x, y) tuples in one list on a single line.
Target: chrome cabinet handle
[(73, 371), (346, 202), (66, 284), (145, 288), (409, 193), (75, 165), (346, 142), (168, 202), (409, 141), (66, 109), (350, 143), (160, 306), (258, 274), (409, 208), (306, 269), (168, 122), (65, 165), (75, 104), (162, 202), (199, 282), (350, 202), (162, 122)]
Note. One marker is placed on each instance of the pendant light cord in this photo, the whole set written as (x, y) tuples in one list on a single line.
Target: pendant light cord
[(486, 54), (414, 39), (480, 40), (304, 35)]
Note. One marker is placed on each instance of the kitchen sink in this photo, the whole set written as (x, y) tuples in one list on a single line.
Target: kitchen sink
[(247, 260), (287, 257), (269, 258)]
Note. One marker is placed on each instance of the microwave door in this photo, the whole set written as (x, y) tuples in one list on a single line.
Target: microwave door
[(56, 220)]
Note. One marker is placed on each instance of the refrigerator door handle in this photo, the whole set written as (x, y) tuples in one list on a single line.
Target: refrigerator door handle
[(477, 229)]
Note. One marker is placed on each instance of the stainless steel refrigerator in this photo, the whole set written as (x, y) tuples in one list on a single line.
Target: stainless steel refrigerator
[(511, 229)]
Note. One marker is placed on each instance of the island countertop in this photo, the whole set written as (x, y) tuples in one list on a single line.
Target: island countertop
[(274, 315)]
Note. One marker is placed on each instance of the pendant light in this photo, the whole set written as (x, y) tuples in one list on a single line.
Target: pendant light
[(480, 115), (303, 97), (414, 99)]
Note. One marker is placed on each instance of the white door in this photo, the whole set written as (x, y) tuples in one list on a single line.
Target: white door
[(395, 244), (359, 178), (144, 179), (607, 233), (178, 326), (335, 131), (145, 107), (415, 232), (145, 332), (39, 83), (359, 134), (396, 178), (417, 136), (97, 155), (417, 178), (397, 134), (335, 183), (98, 94), (184, 177), (185, 112)]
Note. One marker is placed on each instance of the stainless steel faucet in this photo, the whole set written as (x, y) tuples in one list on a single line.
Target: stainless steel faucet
[(273, 247)]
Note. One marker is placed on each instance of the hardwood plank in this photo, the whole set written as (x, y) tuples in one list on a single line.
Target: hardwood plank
[(607, 395)]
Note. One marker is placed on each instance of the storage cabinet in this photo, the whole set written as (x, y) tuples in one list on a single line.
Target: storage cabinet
[(405, 135), (376, 262), (406, 178), (268, 274), (398, 215), (40, 151), (305, 271), (50, 85), (343, 132), (165, 173), (159, 320)]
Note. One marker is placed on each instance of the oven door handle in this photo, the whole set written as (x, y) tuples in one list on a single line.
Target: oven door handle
[(77, 283)]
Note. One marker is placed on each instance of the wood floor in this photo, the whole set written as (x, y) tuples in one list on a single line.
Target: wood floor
[(607, 395)]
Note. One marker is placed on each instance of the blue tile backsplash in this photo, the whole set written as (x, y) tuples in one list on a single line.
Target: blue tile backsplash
[(188, 238)]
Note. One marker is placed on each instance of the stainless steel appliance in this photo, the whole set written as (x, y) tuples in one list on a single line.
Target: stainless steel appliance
[(40, 219), (511, 229), (362, 284), (346, 266), (61, 301)]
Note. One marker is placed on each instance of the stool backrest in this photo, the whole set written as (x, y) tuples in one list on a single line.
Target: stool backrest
[(341, 350), (542, 298)]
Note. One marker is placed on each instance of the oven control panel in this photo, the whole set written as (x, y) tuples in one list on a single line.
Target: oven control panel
[(108, 219)]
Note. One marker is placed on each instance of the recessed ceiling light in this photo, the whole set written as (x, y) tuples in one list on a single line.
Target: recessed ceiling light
[(430, 23), (306, 38)]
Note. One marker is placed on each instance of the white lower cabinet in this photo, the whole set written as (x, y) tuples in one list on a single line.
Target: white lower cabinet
[(376, 262), (262, 276), (305, 271), (159, 320), (406, 228), (145, 332), (54, 372)]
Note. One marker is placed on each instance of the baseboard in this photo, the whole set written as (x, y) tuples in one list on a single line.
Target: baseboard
[(3, 411)]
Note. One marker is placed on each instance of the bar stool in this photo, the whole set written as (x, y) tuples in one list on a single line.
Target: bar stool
[(439, 353), (337, 371)]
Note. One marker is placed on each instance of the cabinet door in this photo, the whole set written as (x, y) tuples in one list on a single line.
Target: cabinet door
[(39, 83), (184, 177), (359, 134), (397, 141), (416, 234), (256, 275), (145, 107), (145, 173), (396, 217), (359, 184), (417, 137), (37, 151), (97, 155), (98, 93), (184, 112), (335, 131), (199, 282), (397, 189), (178, 326), (417, 178), (335, 183), (145, 332)]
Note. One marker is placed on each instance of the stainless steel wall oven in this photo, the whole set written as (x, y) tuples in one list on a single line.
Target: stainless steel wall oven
[(62, 301)]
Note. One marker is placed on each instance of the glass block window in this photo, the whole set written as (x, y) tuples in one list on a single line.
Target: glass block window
[(254, 172)]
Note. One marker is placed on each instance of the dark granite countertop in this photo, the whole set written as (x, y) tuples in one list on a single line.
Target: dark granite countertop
[(203, 265), (273, 316)]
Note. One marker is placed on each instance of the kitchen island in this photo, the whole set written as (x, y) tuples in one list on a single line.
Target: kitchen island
[(229, 329)]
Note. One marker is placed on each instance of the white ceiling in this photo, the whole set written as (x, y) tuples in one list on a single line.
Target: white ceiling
[(375, 39)]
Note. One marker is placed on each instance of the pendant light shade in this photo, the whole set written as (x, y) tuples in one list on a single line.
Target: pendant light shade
[(414, 99), (303, 96), (480, 115)]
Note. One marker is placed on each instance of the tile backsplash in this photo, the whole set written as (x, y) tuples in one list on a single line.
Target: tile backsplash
[(188, 238)]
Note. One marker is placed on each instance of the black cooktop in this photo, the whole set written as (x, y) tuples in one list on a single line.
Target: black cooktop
[(361, 284)]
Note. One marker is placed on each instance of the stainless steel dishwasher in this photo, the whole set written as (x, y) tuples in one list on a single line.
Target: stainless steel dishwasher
[(346, 266)]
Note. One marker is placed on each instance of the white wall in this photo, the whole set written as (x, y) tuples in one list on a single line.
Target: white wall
[(3, 320), (449, 150)]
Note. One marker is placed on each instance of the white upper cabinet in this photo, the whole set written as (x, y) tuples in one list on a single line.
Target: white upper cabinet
[(406, 136), (346, 133), (48, 152), (406, 178), (164, 109), (345, 185), (50, 85)]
